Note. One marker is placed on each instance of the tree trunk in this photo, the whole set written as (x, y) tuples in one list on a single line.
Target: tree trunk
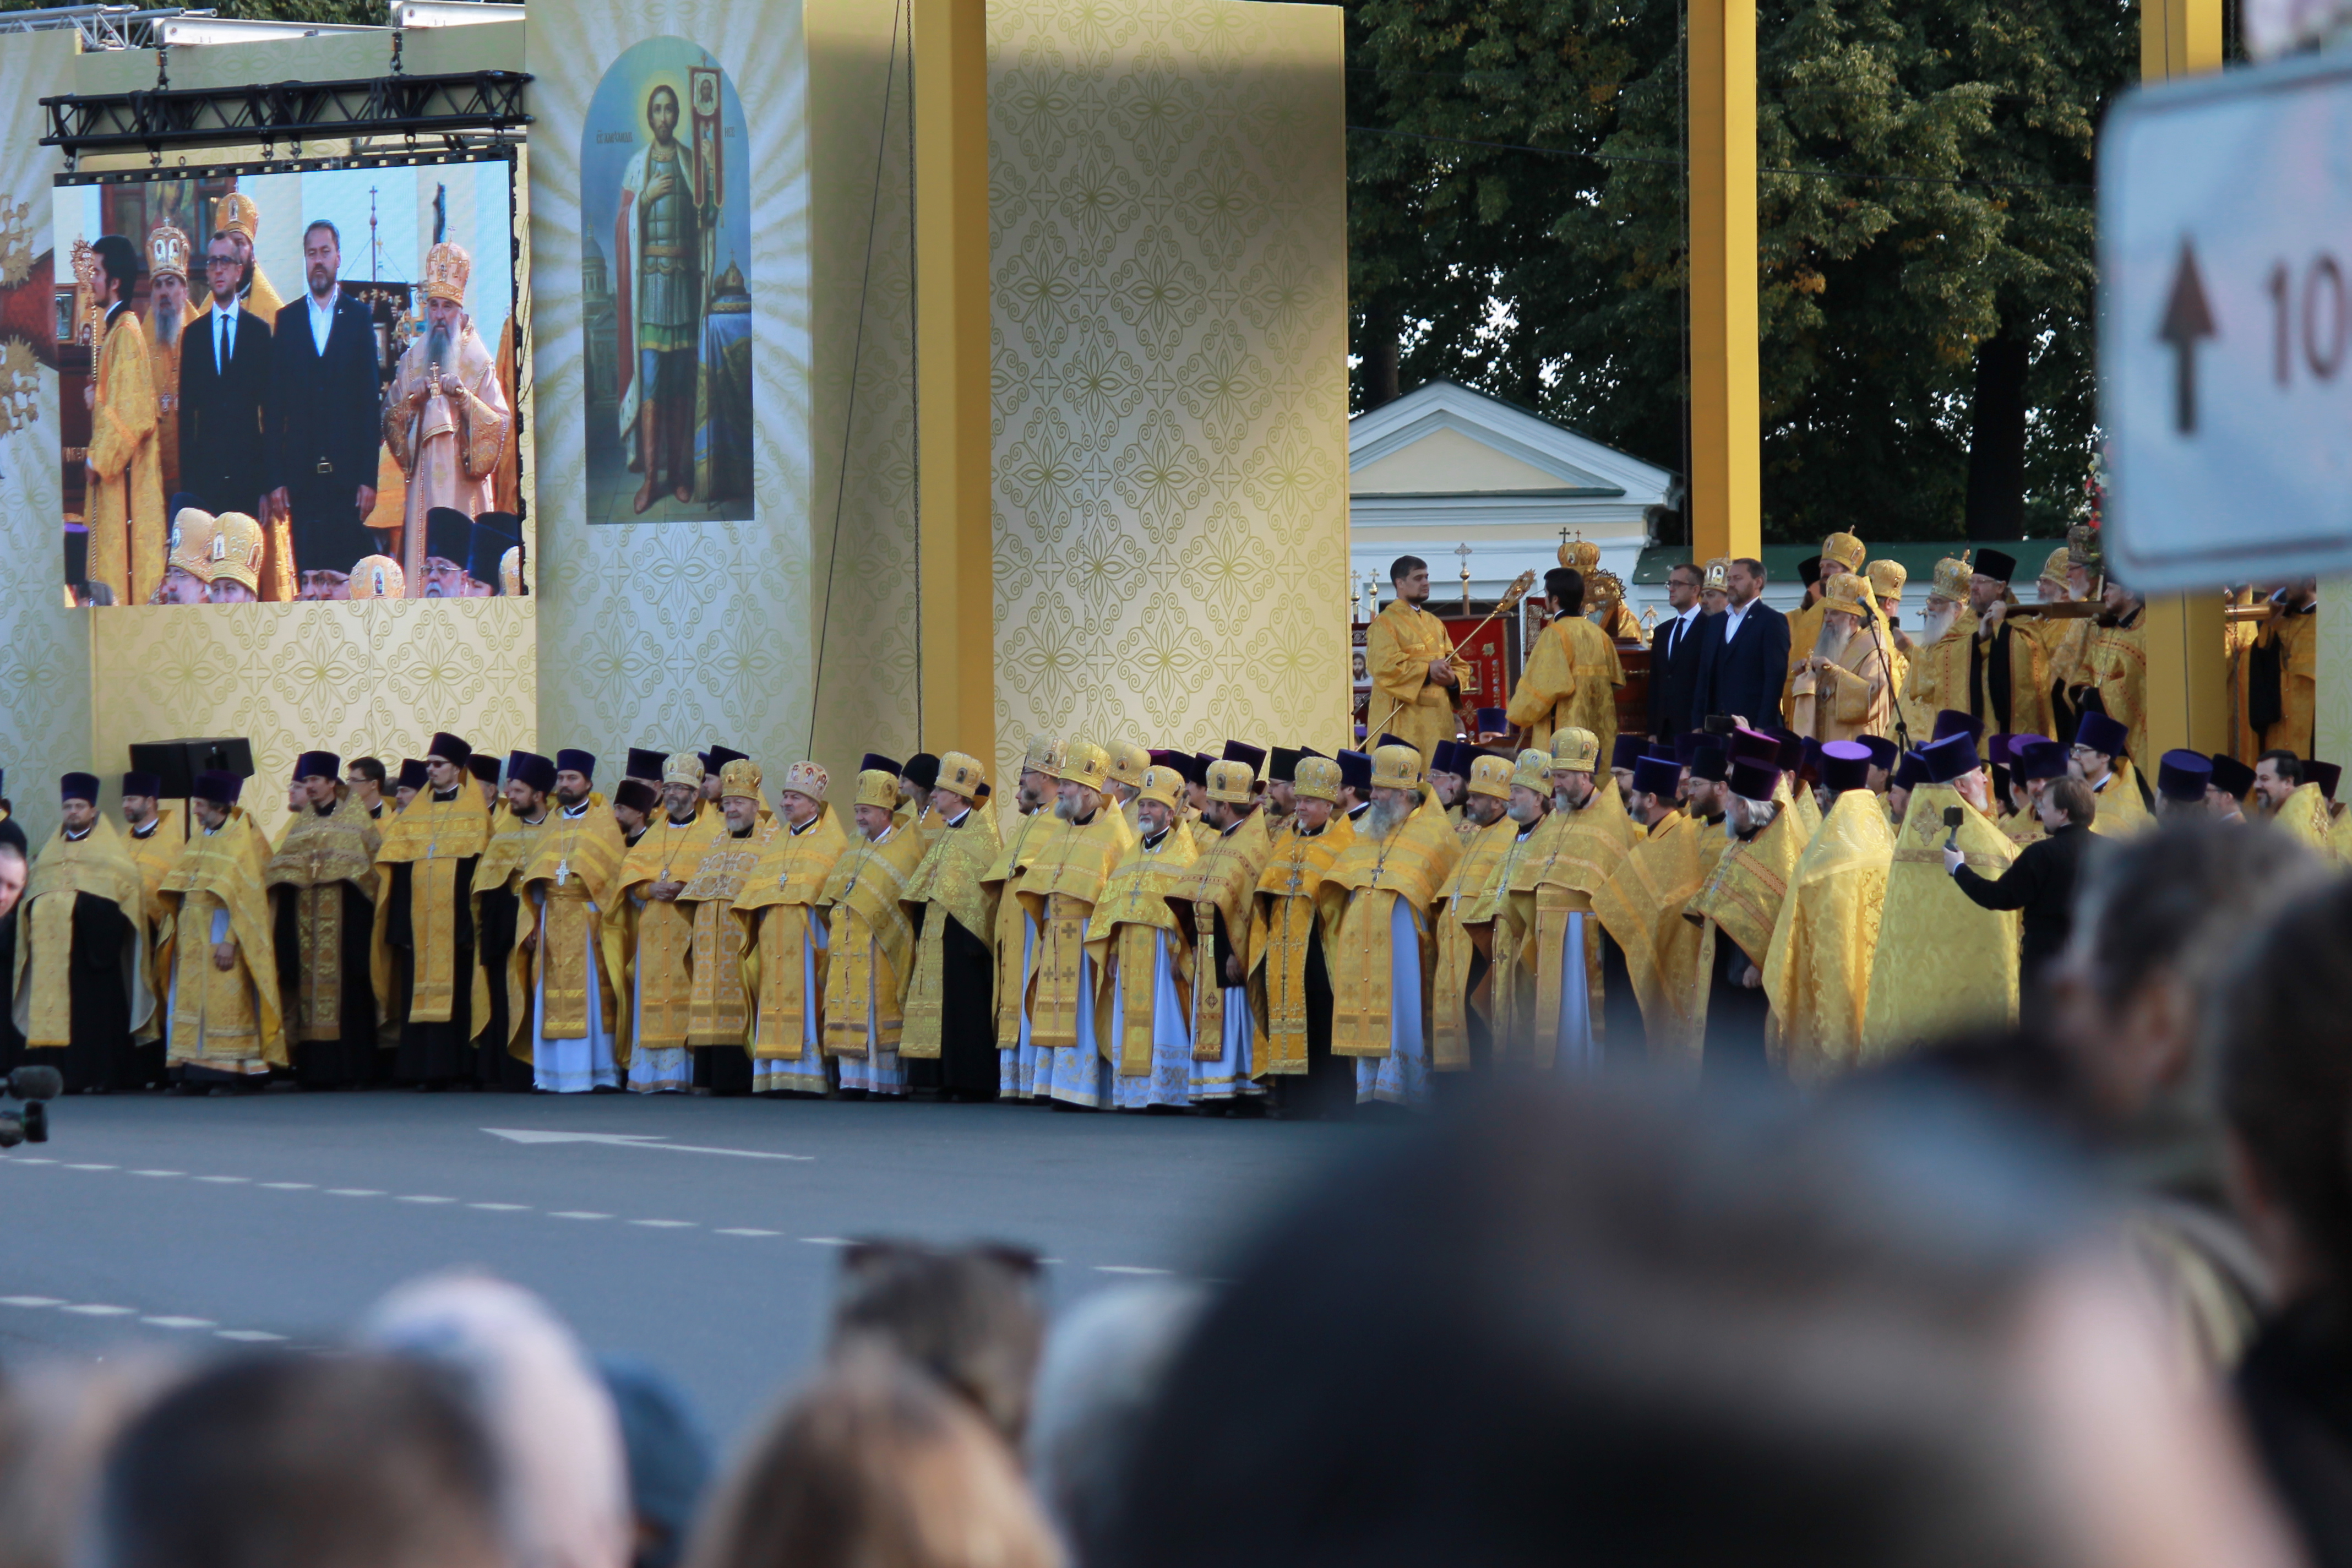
[(1995, 508), (1381, 353)]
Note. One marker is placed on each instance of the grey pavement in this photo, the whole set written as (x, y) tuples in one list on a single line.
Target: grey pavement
[(278, 1218)]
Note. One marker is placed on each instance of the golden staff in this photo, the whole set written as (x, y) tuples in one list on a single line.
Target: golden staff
[(1511, 597)]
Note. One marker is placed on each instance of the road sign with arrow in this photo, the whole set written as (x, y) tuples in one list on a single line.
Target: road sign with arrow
[(2225, 318)]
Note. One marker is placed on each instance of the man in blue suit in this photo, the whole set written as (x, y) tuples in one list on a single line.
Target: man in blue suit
[(1750, 660), (325, 413)]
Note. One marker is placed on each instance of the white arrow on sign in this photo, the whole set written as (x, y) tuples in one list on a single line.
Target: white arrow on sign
[(630, 1141)]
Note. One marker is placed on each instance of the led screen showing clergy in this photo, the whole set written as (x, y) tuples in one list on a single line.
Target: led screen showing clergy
[(297, 384)]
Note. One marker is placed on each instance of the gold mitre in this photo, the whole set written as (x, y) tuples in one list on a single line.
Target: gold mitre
[(1845, 551), (739, 778), (1887, 578), (1952, 576), (1490, 776), (685, 768), (446, 268), (192, 543), (961, 774), (1603, 588), (1396, 767), (808, 779), (1315, 778), (1579, 555), (877, 788), (1083, 763), (237, 549), (2083, 545), (235, 213), (1042, 756), (1533, 769), (1127, 761), (1165, 785), (510, 572), (1848, 593), (2053, 570), (1230, 782), (378, 577), (1574, 751), (167, 251), (1718, 577)]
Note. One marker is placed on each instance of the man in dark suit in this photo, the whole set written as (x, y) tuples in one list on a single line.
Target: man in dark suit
[(1678, 657), (325, 413), (1746, 667), (224, 361)]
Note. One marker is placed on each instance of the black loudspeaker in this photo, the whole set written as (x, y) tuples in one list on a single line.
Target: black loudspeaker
[(177, 762)]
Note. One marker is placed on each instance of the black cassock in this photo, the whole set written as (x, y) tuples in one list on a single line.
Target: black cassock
[(433, 1054), (1328, 1090), (351, 1058), (495, 1066), (1736, 1014), (966, 1066), (99, 1055)]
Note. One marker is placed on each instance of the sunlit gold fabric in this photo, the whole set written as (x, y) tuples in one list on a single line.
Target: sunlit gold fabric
[(431, 836), (315, 859), (223, 1015), (499, 870), (662, 968), (1060, 891), (784, 890), (2305, 816), (1740, 900), (1943, 964), (570, 895), (1409, 864), (1571, 679), (871, 942), (2121, 812), (1221, 879), (155, 852), (1641, 907), (1292, 899), (1817, 973), (1465, 921), (719, 1006), (949, 880), (1552, 876), (1398, 648), (2115, 661), (1013, 949), (1123, 936), (94, 864)]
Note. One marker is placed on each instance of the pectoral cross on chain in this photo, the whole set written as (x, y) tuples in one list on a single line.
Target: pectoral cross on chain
[(562, 871)]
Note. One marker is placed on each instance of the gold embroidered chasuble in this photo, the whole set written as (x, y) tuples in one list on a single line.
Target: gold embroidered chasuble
[(571, 892), (1407, 866), (1740, 900), (1804, 630), (1553, 875), (1943, 964), (1466, 917), (1123, 937), (949, 881), (662, 966), (2121, 812), (2305, 817), (1817, 973), (163, 368), (1059, 891), (872, 944), (1292, 904), (124, 498), (1641, 907), (315, 861), (431, 838), (155, 852), (95, 864), (1398, 648), (719, 1009), (2296, 637), (1571, 681), (1855, 695), (2114, 663), (1012, 944), (448, 448), (1222, 881), (779, 898), (223, 1015), (1942, 676), (499, 870)]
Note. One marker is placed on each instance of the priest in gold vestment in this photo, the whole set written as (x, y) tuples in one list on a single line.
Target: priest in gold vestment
[(152, 839), (782, 914), (1640, 908), (123, 497), (168, 314), (1845, 682), (1572, 673), (573, 940), (1462, 1021), (1843, 554), (1143, 995), (424, 951), (1551, 977), (80, 982), (871, 944), (1384, 949), (1293, 918), (322, 885), (2281, 673), (661, 966), (719, 1026), (1817, 972), (1212, 899), (1060, 891), (445, 418), (1943, 964), (1415, 675), (2100, 759), (2113, 672), (950, 1041), (225, 1023), (1017, 929), (502, 972), (1738, 906)]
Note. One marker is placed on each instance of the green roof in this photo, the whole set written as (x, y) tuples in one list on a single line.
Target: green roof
[(1918, 559)]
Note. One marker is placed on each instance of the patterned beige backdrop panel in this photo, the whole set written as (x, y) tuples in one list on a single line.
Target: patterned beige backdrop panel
[(1169, 232)]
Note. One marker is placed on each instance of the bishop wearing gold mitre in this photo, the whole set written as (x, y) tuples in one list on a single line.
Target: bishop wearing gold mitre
[(1943, 964), (1060, 891), (168, 314), (1816, 974), (1572, 673), (323, 884), (661, 967), (1938, 675), (446, 418), (153, 840), (1738, 906), (1463, 1011), (719, 1026), (1017, 929), (871, 944), (1127, 763), (950, 1041), (1415, 672), (80, 982), (1292, 920), (1640, 908), (123, 500), (1841, 554), (1550, 976), (1212, 899), (781, 913), (503, 970), (1143, 998), (227, 1025), (424, 919), (1846, 681), (1384, 949), (572, 939)]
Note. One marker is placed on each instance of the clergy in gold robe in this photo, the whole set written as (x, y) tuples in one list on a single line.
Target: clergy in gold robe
[(82, 990), (1738, 906), (2101, 761), (1060, 891), (1415, 672), (661, 966), (322, 886), (1939, 660), (871, 945), (1462, 1009), (1816, 974), (153, 838), (2114, 671), (1845, 689), (1384, 952), (1143, 997), (572, 944), (950, 1041), (1017, 929), (168, 314), (502, 973), (1640, 908), (1841, 554), (445, 418), (785, 928), (123, 498), (1943, 964), (2278, 673), (1129, 762), (719, 1023), (227, 1025), (425, 950), (1292, 920), (1572, 673), (2007, 665), (1212, 899), (1551, 974), (2304, 814)]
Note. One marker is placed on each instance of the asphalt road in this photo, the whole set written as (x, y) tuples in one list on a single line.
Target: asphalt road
[(278, 1218)]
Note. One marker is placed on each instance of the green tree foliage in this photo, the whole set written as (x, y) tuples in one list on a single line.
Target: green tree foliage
[(1924, 190)]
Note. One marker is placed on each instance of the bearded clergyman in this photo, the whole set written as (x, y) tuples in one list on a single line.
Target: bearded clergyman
[(226, 1029), (950, 1042), (782, 909), (445, 417), (323, 885)]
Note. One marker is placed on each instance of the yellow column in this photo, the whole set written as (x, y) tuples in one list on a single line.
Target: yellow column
[(951, 303), (1727, 421), (2188, 673)]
